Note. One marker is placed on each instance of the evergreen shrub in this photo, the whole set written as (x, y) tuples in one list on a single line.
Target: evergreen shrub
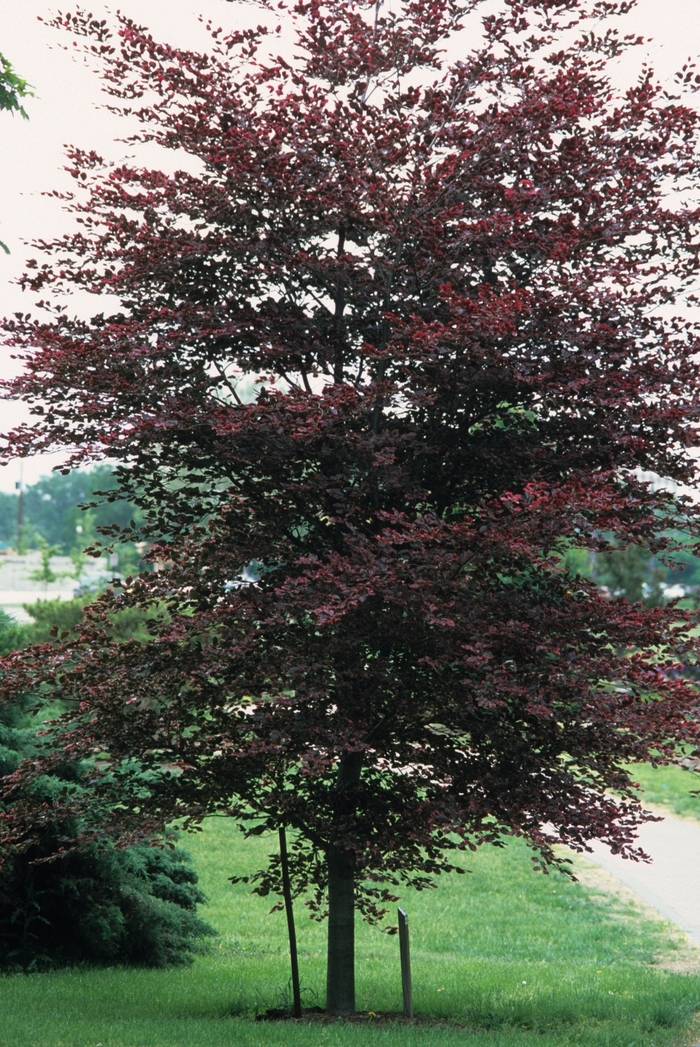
[(97, 905)]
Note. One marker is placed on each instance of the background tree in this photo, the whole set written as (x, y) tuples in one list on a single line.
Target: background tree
[(53, 507), (61, 511), (8, 517), (632, 573), (447, 277), (45, 572), (12, 90)]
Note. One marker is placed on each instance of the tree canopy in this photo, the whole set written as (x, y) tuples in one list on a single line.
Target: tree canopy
[(451, 279)]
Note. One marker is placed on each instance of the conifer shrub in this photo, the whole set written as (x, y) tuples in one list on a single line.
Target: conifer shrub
[(96, 905), (11, 633), (99, 906)]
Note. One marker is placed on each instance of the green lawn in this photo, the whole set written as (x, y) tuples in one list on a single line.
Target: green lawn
[(670, 786), (520, 958)]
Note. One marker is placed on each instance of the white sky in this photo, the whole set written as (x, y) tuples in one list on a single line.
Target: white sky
[(65, 111)]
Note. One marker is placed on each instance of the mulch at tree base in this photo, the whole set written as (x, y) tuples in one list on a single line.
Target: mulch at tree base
[(317, 1014)]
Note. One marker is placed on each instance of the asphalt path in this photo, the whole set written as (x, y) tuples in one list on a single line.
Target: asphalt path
[(671, 881)]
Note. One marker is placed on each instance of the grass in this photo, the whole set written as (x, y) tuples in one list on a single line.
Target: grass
[(669, 786), (521, 959)]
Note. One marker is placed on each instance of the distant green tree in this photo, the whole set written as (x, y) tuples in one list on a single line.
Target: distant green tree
[(685, 572), (85, 535), (51, 508), (8, 517), (45, 572), (631, 572), (579, 562)]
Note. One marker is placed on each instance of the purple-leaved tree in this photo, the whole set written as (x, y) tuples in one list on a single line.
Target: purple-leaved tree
[(452, 281)]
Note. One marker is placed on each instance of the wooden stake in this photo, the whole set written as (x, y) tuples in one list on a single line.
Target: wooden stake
[(405, 964), (287, 891)]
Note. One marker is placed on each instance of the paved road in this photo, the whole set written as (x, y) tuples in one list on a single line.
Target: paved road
[(671, 882)]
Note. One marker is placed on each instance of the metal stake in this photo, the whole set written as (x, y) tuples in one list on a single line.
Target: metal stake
[(287, 891), (405, 964)]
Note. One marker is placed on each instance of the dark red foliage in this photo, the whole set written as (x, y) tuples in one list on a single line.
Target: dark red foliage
[(453, 282)]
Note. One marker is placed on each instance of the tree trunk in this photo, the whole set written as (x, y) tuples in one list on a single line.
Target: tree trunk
[(340, 979)]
